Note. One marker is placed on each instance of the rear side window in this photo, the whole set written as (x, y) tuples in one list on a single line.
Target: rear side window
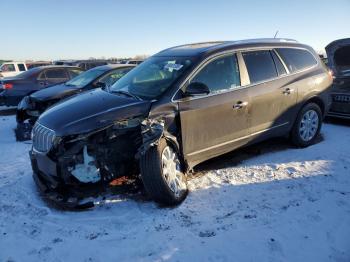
[(296, 59), (56, 74), (220, 75), (260, 66), (279, 66), (42, 76), (21, 67)]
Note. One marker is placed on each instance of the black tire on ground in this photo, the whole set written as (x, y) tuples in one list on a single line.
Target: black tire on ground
[(151, 167), (296, 137)]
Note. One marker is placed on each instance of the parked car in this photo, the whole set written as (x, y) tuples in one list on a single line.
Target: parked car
[(134, 62), (84, 64), (180, 107), (31, 65), (35, 104), (10, 69), (13, 89), (338, 53)]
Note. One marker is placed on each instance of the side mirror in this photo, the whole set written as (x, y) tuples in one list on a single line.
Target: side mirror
[(197, 89), (100, 85)]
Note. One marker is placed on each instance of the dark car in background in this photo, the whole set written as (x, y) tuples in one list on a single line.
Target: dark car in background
[(338, 54), (83, 64), (134, 62), (31, 65), (13, 89), (180, 107), (35, 104)]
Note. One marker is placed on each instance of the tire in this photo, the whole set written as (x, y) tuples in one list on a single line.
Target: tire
[(159, 182), (307, 126)]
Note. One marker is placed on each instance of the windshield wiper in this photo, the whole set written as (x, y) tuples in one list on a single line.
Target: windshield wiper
[(126, 93)]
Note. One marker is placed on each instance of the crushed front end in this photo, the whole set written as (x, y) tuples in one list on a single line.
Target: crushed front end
[(71, 169)]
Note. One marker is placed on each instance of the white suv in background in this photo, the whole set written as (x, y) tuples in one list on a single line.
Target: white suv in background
[(12, 69)]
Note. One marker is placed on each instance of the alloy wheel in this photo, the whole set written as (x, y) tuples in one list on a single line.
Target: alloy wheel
[(308, 125), (172, 171)]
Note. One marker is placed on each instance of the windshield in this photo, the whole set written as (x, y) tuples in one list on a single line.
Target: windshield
[(85, 78), (152, 77)]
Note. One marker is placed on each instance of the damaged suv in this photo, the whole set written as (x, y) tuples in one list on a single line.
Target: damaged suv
[(180, 107), (338, 53)]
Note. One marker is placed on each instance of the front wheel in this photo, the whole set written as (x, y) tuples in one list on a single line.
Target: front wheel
[(162, 174), (307, 125)]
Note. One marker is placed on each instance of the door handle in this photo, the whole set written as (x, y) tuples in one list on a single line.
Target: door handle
[(288, 91), (240, 104)]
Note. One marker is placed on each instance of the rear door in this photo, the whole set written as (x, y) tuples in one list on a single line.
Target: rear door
[(267, 92), (219, 122)]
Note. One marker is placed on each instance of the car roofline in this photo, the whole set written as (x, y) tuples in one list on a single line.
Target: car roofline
[(211, 46)]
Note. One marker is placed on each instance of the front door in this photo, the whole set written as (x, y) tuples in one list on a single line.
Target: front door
[(219, 122)]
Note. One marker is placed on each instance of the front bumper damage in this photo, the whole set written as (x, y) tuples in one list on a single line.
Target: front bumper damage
[(81, 168)]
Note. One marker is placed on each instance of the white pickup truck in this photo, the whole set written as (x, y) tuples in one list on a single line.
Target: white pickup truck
[(12, 68)]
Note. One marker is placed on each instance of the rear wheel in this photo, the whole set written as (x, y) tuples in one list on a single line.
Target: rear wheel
[(162, 174), (307, 125)]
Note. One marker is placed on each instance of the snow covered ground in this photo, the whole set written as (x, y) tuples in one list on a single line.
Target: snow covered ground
[(269, 202)]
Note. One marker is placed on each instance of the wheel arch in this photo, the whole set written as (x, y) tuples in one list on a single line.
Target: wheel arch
[(318, 101)]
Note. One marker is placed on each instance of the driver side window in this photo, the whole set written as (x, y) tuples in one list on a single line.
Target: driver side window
[(220, 75)]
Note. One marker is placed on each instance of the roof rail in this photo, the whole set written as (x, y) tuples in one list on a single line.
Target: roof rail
[(269, 40)]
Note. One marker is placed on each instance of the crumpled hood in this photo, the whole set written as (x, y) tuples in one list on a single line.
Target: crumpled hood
[(53, 93), (90, 111)]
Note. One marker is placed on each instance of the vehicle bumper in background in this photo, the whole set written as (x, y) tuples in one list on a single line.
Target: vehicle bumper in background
[(340, 106), (338, 115), (7, 100), (2, 99)]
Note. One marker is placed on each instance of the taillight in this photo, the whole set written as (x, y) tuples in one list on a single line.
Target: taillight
[(7, 85)]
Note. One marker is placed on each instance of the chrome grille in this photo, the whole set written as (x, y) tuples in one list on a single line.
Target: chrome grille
[(43, 138)]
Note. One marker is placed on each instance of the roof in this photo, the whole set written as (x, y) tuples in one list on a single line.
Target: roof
[(209, 47), (55, 66), (112, 66)]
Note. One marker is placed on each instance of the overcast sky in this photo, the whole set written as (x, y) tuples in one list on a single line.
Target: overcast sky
[(48, 29)]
